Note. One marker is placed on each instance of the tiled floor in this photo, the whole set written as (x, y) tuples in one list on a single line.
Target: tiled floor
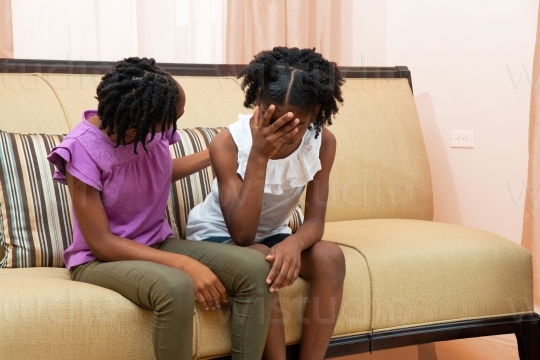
[(502, 347)]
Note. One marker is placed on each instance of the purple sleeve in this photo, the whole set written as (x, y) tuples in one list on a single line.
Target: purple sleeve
[(173, 137), (70, 155)]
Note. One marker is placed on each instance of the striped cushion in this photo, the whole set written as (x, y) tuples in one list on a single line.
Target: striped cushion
[(35, 221), (188, 192)]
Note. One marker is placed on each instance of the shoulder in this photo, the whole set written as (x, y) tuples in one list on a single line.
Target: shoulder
[(79, 139), (73, 157), (171, 136), (328, 141), (327, 153), (240, 132), (223, 147), (224, 155), (223, 141)]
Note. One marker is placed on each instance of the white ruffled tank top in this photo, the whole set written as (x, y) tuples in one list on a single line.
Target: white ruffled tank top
[(285, 182)]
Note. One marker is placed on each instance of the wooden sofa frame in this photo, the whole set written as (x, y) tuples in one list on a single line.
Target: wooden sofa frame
[(525, 327)]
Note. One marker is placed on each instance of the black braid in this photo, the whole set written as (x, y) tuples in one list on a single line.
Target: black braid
[(137, 93), (298, 77)]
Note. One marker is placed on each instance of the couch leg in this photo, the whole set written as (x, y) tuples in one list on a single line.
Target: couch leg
[(427, 352), (528, 339)]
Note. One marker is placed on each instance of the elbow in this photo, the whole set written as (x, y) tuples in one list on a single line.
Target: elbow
[(99, 250), (99, 253), (243, 241), (243, 238), (241, 234)]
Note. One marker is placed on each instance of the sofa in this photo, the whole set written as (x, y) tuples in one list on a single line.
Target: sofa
[(409, 280)]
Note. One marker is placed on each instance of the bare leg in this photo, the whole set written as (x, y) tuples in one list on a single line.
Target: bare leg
[(274, 348), (323, 264)]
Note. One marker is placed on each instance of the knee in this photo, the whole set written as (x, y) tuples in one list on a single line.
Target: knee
[(255, 267), (174, 291), (263, 249), (251, 268), (331, 262)]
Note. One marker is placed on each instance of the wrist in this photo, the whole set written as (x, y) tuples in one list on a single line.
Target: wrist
[(207, 160), (257, 158), (183, 262), (295, 241)]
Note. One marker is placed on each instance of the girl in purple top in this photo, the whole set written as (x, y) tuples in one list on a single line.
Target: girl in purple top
[(117, 166)]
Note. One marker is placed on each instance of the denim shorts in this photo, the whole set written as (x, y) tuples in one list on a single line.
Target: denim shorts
[(269, 241)]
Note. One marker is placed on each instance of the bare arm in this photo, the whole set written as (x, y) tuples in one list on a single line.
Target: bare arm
[(312, 228), (187, 165), (233, 192), (106, 246), (241, 200), (285, 256)]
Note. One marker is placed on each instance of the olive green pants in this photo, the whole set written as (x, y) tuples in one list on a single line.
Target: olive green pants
[(169, 293)]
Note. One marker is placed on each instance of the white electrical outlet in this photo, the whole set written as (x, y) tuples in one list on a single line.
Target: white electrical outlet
[(462, 139)]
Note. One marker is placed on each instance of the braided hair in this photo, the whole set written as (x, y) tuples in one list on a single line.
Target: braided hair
[(292, 76), (137, 94)]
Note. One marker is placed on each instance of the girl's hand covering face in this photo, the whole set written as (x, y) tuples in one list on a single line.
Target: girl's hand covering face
[(269, 135)]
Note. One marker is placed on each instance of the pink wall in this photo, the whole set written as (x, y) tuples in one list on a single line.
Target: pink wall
[(471, 67)]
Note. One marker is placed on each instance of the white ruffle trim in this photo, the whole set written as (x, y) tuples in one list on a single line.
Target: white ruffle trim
[(296, 170)]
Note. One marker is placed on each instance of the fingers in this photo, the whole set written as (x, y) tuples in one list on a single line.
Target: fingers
[(281, 275), (256, 116), (282, 278), (284, 125), (212, 297), (285, 119), (284, 270), (203, 300), (288, 130), (288, 127), (267, 117), (274, 272), (289, 278), (271, 254), (224, 297)]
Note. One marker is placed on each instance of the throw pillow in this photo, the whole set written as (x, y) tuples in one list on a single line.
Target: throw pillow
[(35, 219)]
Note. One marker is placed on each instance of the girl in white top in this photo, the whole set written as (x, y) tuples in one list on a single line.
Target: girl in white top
[(263, 163)]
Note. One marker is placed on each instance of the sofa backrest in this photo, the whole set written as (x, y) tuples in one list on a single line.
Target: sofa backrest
[(380, 171)]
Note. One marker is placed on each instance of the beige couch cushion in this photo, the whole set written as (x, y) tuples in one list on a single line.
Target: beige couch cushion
[(381, 168), (424, 272), (52, 317), (75, 93), (29, 105), (210, 101)]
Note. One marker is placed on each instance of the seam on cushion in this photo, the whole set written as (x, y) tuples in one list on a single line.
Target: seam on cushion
[(427, 323), (57, 98), (370, 278)]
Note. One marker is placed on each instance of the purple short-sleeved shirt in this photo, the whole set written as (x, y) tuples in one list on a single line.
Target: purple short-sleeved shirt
[(134, 187)]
